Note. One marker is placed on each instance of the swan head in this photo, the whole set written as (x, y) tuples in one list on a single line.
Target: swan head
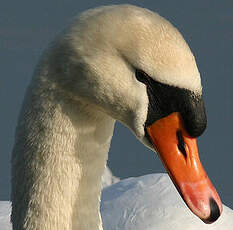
[(115, 48), (133, 65)]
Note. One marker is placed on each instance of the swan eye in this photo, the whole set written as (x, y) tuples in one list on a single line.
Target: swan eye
[(142, 76)]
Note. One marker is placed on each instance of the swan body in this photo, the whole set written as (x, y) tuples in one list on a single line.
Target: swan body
[(147, 202), (83, 83), (152, 202)]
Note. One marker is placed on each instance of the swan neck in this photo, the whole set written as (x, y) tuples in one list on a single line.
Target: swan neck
[(58, 159)]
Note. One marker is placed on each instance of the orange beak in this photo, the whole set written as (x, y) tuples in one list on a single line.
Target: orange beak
[(179, 154)]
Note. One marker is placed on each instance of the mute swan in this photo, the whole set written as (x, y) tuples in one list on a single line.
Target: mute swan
[(147, 202), (113, 63)]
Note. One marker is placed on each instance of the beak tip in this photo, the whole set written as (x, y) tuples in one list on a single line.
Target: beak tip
[(215, 212)]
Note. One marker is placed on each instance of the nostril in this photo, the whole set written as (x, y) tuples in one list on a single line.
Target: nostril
[(181, 143), (214, 212)]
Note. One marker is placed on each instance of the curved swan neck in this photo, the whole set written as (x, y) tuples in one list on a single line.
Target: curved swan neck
[(58, 159)]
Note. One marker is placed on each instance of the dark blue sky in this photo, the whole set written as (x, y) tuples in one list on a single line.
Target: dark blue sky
[(26, 27)]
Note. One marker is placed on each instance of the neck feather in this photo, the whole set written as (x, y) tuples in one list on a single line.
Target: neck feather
[(58, 159)]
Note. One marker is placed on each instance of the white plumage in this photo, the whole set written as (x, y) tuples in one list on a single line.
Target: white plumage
[(152, 202), (83, 83), (148, 202)]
